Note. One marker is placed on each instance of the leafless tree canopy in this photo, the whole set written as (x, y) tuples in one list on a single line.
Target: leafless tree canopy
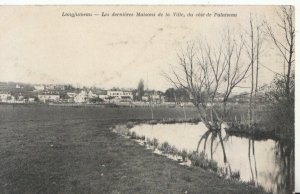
[(285, 46), (209, 72)]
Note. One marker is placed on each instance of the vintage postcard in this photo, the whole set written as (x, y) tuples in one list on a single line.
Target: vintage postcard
[(147, 99)]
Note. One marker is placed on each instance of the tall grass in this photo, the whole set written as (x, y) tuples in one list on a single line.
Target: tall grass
[(197, 159)]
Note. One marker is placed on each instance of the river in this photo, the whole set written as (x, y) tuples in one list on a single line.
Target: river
[(268, 163)]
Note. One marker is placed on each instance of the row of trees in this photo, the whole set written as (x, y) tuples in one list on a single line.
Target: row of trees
[(171, 94)]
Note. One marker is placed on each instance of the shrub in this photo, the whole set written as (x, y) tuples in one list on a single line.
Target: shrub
[(165, 147), (235, 175), (213, 165), (195, 158), (133, 135), (174, 151), (184, 155), (148, 141), (129, 125), (155, 143), (153, 122), (221, 171), (199, 160), (203, 160), (190, 154), (138, 137)]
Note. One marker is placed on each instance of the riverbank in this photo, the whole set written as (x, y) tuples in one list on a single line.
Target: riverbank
[(72, 150), (258, 132)]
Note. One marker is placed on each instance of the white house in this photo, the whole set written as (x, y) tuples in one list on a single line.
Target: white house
[(145, 98), (30, 100), (4, 96), (18, 86), (103, 96), (81, 97), (48, 97), (92, 95), (39, 87), (155, 97), (7, 98), (71, 94), (120, 94)]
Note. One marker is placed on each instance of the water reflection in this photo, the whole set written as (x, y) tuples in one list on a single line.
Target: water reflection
[(265, 162)]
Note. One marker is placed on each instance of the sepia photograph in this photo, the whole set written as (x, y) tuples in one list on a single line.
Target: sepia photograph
[(124, 99)]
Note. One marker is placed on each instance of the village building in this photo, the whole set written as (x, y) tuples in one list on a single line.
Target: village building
[(39, 87), (81, 97), (19, 87), (48, 97), (31, 100), (119, 94), (92, 95), (153, 96), (103, 96), (71, 94), (6, 97)]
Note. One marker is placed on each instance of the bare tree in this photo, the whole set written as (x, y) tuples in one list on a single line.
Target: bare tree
[(253, 43), (281, 91), (209, 73), (284, 41), (254, 51)]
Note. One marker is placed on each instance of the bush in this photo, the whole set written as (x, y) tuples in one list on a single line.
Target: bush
[(153, 122), (165, 148), (222, 172), (213, 165), (184, 155), (203, 160), (133, 135), (148, 142), (195, 159), (199, 160), (235, 175), (129, 125), (155, 143), (174, 151)]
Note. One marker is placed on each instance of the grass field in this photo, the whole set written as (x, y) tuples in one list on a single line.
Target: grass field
[(55, 149)]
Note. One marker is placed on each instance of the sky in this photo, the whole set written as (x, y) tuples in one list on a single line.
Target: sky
[(39, 45)]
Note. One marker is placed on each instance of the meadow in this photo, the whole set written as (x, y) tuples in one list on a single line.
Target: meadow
[(57, 149)]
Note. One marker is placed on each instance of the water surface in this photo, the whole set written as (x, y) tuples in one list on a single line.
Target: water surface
[(266, 162)]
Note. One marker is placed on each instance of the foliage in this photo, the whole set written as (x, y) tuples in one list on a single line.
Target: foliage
[(199, 159), (165, 147), (96, 100), (140, 90), (281, 106), (213, 165), (155, 143), (133, 135), (184, 155), (177, 95)]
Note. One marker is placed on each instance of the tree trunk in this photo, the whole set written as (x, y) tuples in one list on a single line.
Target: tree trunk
[(211, 147), (222, 145)]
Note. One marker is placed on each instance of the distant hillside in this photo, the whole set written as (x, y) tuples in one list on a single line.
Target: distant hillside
[(15, 87)]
